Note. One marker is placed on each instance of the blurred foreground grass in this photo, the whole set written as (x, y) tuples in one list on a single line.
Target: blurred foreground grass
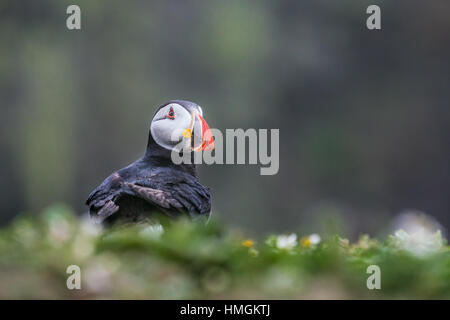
[(192, 261)]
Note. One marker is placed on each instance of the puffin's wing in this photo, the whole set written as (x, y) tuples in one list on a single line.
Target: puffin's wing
[(182, 194), (158, 197), (108, 209), (102, 200), (194, 197)]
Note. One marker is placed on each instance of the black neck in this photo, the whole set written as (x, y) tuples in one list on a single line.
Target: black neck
[(161, 157)]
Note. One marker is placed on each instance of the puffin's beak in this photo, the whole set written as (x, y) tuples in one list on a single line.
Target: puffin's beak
[(200, 134), (207, 137)]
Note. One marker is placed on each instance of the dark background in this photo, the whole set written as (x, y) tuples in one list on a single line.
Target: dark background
[(363, 115)]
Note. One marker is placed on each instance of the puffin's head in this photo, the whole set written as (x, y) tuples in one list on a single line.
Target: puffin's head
[(179, 125)]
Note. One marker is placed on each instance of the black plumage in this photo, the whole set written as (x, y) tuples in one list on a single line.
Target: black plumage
[(152, 184)]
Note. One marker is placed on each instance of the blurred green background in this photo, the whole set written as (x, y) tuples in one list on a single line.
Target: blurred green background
[(363, 115)]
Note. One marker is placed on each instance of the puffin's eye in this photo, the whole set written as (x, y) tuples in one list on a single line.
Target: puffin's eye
[(171, 114)]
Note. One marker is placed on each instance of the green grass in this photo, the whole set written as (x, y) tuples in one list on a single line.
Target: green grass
[(194, 261)]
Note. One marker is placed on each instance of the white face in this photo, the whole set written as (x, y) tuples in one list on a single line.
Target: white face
[(169, 124)]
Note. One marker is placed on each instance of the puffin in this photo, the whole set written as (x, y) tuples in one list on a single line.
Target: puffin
[(154, 185)]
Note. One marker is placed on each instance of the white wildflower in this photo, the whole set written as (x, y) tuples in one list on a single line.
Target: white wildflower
[(418, 233), (314, 239), (310, 241), (421, 242), (286, 242)]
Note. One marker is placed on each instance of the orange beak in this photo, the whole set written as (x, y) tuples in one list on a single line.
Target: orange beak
[(207, 137)]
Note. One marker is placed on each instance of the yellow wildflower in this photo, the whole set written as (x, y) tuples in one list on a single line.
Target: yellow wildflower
[(310, 241), (305, 242), (248, 243)]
